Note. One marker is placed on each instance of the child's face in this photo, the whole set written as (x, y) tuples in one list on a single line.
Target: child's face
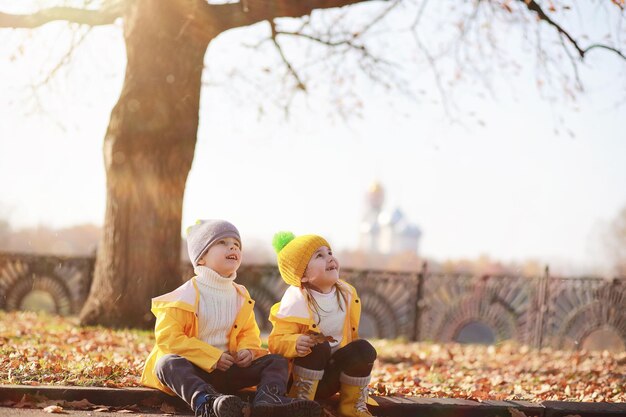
[(322, 271), (224, 256)]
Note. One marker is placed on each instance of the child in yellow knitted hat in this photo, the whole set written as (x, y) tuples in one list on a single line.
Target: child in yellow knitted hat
[(316, 326)]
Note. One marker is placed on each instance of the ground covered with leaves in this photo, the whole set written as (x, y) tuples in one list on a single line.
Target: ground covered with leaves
[(40, 349)]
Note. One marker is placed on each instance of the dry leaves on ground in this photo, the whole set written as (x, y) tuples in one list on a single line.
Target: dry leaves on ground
[(504, 372), (40, 349)]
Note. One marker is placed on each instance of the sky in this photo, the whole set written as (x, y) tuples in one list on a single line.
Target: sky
[(511, 174)]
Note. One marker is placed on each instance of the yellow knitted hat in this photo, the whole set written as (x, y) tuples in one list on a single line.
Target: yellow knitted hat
[(294, 254)]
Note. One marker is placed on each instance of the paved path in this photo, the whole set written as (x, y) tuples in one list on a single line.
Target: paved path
[(25, 412), (147, 402)]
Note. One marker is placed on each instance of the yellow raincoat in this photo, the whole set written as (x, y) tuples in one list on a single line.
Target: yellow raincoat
[(292, 317), (176, 331)]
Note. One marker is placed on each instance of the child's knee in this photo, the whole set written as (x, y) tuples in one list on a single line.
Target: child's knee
[(276, 360), (317, 359), (321, 351), (274, 363), (274, 357), (365, 349), (167, 364)]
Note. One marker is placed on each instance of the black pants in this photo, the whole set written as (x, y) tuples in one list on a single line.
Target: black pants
[(188, 380), (355, 359)]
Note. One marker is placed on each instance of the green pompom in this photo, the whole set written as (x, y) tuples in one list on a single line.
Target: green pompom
[(197, 222), (281, 239)]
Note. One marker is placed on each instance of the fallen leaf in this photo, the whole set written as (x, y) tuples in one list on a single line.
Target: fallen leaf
[(321, 338), (44, 404), (101, 410), (83, 404), (128, 409), (25, 402), (516, 413), (166, 408), (54, 409)]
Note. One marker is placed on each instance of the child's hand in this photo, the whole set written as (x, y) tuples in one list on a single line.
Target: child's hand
[(304, 344), (244, 358), (225, 362)]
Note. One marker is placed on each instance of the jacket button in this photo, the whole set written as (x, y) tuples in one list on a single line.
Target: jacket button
[(314, 326), (353, 329), (356, 301), (235, 326), (249, 301)]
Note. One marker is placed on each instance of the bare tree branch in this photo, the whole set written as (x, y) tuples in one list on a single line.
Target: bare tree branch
[(610, 48), (579, 83), (380, 16), (65, 59), (431, 60), (534, 7), (347, 42), (232, 15), (290, 68), (92, 17)]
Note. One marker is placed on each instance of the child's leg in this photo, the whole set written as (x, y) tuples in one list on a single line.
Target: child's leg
[(270, 373), (317, 359), (356, 359), (348, 372), (308, 371), (268, 370), (183, 377), (196, 387)]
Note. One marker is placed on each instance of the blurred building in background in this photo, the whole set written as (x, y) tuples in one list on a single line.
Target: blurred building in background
[(386, 232)]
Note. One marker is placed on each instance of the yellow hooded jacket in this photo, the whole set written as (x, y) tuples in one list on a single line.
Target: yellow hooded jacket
[(292, 317), (176, 331)]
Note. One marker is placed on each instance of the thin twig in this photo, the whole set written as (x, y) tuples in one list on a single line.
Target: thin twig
[(64, 60), (429, 57), (533, 6), (610, 48), (299, 83)]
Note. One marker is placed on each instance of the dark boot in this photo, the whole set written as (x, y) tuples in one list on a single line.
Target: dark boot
[(270, 401), (214, 404)]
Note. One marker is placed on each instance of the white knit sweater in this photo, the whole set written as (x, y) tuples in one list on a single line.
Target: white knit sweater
[(218, 307), (331, 316)]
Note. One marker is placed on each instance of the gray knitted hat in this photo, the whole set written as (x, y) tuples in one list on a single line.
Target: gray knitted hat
[(204, 233)]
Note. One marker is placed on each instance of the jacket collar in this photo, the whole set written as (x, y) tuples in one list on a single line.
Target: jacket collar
[(187, 297), (294, 306)]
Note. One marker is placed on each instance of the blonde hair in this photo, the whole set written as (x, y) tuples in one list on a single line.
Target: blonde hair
[(312, 303)]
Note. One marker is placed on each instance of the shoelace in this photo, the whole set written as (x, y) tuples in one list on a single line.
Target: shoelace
[(208, 407), (361, 402), (303, 387)]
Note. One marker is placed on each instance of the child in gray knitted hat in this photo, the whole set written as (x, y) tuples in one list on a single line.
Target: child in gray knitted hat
[(208, 343)]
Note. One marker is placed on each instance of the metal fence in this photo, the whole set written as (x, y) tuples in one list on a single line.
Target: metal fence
[(539, 311)]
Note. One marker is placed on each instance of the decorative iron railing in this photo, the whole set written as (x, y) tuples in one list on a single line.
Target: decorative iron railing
[(538, 311)]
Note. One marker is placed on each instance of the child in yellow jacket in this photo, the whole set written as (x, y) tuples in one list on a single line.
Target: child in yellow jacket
[(316, 325), (208, 341)]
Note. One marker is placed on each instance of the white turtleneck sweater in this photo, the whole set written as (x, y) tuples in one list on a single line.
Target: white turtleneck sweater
[(218, 307), (331, 316)]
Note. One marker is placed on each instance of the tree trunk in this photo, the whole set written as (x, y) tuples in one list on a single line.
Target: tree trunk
[(148, 151)]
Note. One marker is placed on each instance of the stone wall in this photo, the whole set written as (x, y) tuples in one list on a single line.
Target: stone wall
[(567, 313)]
